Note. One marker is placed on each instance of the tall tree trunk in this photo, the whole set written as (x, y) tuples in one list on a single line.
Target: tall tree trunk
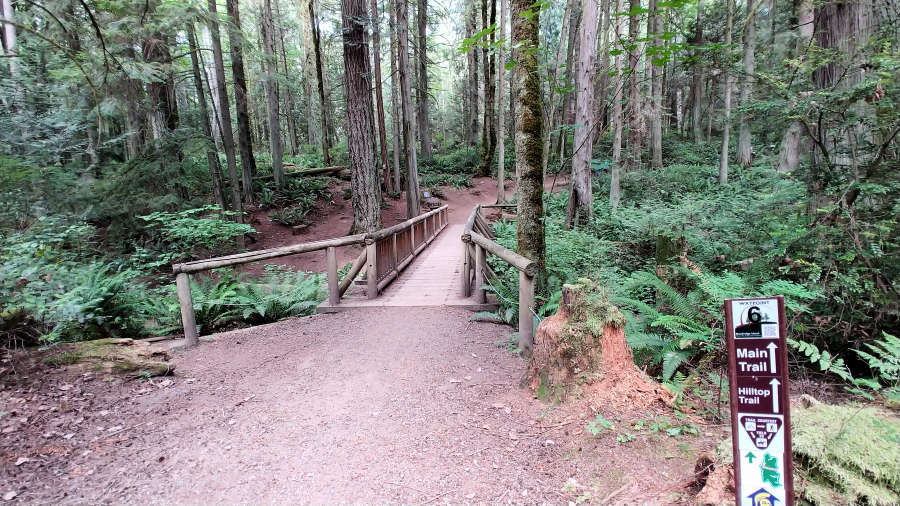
[(602, 89), (245, 142), (551, 107), (635, 132), (212, 158), (617, 119), (9, 37), (163, 113), (320, 78), (379, 97), (745, 149), (288, 95), (581, 198), (726, 128), (656, 87), (529, 131), (366, 189), (472, 60), (789, 153), (225, 115), (489, 139), (396, 130), (501, 107), (422, 88), (567, 111), (268, 29), (309, 72), (412, 175), (697, 80)]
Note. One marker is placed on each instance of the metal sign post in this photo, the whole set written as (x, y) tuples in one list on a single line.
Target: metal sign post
[(760, 411)]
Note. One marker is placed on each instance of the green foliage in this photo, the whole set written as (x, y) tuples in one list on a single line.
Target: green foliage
[(291, 215), (178, 235), (226, 298), (846, 455), (598, 425)]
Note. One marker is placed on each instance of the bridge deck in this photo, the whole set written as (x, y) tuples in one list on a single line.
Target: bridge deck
[(432, 279)]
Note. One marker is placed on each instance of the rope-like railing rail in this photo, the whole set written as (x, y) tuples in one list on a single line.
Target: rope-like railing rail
[(386, 253), (478, 238)]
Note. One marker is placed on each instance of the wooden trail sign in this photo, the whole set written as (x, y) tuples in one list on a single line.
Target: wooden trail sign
[(760, 411)]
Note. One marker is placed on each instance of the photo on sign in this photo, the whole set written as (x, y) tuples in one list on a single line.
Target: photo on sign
[(755, 319)]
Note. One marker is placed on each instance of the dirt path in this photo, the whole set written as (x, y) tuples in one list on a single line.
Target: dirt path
[(376, 405)]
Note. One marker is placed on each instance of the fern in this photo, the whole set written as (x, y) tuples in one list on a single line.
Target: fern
[(884, 359)]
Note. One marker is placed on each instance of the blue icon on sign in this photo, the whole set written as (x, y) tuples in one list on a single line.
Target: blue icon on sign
[(762, 497)]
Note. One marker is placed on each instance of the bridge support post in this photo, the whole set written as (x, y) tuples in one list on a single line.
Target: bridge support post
[(186, 301), (465, 266), (371, 269), (480, 295), (331, 261), (526, 322)]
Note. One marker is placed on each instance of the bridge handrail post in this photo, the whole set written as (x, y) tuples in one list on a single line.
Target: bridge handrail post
[(334, 296), (186, 302), (480, 294), (526, 306), (371, 269)]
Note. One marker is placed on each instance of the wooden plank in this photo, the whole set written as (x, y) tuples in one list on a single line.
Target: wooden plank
[(381, 234), (186, 302)]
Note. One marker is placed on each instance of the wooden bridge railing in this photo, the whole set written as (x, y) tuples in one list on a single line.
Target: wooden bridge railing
[(478, 238), (386, 253)]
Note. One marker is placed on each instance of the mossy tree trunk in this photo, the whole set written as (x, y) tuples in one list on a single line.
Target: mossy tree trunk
[(529, 134)]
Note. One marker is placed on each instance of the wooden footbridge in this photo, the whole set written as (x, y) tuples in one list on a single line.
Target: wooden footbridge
[(422, 262)]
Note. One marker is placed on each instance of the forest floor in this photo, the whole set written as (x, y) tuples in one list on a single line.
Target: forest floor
[(380, 405)]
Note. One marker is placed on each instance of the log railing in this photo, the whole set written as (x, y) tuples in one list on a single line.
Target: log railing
[(478, 239), (386, 253)]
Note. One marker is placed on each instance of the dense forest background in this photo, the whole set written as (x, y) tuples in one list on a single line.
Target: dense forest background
[(712, 148)]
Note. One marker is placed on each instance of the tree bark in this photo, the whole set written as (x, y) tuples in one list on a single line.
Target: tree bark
[(396, 130), (309, 71), (320, 79), (635, 132), (272, 108), (602, 105), (529, 131), (225, 115), (617, 119), (745, 149), (789, 152), (9, 37), (212, 158), (697, 80), (726, 128), (489, 137), (245, 142), (472, 60), (288, 95), (581, 198), (379, 97), (501, 95), (656, 91), (422, 81), (366, 190), (551, 107), (412, 176)]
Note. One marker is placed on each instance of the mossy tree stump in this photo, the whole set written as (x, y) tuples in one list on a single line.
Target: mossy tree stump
[(583, 345)]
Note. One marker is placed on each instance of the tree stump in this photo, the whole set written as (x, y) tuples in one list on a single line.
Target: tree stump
[(583, 345)]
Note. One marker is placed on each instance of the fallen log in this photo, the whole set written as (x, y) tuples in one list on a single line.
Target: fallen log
[(307, 171)]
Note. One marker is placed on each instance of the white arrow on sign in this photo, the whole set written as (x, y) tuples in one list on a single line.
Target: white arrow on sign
[(771, 348), (775, 384)]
